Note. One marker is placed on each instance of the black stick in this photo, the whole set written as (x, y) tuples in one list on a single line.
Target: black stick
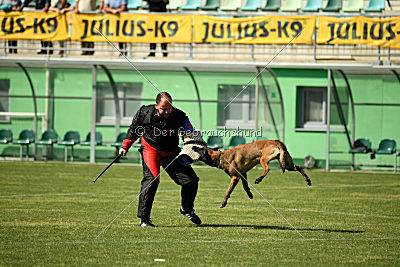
[(109, 165)]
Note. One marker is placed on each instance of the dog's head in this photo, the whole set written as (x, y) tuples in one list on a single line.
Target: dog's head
[(209, 156)]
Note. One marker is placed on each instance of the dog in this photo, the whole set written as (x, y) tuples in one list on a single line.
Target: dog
[(237, 161)]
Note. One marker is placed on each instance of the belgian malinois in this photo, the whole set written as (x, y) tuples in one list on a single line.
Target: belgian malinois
[(237, 161)]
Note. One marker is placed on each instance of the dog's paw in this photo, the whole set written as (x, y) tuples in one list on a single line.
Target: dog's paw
[(309, 182), (223, 204), (257, 181), (249, 194)]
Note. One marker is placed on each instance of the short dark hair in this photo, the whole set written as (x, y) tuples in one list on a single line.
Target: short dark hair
[(163, 95)]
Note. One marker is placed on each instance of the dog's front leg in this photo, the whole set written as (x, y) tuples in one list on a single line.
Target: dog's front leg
[(234, 181)]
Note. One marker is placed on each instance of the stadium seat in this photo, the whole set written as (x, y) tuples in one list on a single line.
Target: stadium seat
[(49, 138), (98, 139), (71, 138), (119, 140), (211, 5), (354, 6), (261, 138), (333, 6), (174, 4), (251, 5), (272, 5), (6, 136), (361, 145), (134, 4), (386, 146), (312, 6), (231, 5), (291, 5), (215, 142), (192, 5), (26, 137), (375, 6), (235, 141)]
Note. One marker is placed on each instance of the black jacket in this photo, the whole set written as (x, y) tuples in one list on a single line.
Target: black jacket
[(160, 133), (157, 5)]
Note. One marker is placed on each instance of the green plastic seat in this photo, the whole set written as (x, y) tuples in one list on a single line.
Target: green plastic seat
[(312, 6), (272, 5), (192, 5), (354, 6), (98, 139), (134, 4), (6, 136), (364, 148), (118, 142), (71, 138), (26, 137), (215, 142), (386, 146), (251, 5), (231, 5), (261, 138), (49, 137), (174, 4), (333, 6), (375, 6), (236, 140), (291, 5), (211, 5)]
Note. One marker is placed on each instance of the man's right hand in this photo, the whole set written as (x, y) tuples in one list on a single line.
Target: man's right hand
[(122, 151)]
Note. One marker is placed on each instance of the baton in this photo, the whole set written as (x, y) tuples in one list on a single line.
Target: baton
[(109, 165)]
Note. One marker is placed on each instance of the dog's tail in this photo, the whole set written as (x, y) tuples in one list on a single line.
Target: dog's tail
[(285, 159)]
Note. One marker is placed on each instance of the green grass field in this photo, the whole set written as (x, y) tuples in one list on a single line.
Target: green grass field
[(50, 214)]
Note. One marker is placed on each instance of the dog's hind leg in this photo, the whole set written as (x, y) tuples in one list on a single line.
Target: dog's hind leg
[(300, 170), (264, 163), (234, 181), (246, 185)]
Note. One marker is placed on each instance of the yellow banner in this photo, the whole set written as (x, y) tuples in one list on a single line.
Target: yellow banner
[(134, 28), (360, 30), (34, 26), (254, 30)]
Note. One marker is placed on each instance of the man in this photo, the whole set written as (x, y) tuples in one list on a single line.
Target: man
[(84, 6), (159, 125), (7, 6), (44, 5), (115, 7), (158, 6)]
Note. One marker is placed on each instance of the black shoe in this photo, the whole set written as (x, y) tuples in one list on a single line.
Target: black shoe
[(192, 216), (151, 55), (165, 54), (146, 223), (42, 52)]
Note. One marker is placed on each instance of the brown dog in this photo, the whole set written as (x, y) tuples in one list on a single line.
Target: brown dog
[(237, 161)]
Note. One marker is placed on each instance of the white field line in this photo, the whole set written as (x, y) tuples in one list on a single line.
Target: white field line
[(205, 189), (35, 243)]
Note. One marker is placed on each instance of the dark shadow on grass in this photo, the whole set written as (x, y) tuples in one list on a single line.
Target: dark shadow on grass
[(271, 227)]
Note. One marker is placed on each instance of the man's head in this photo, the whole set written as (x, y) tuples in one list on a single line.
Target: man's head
[(164, 104)]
